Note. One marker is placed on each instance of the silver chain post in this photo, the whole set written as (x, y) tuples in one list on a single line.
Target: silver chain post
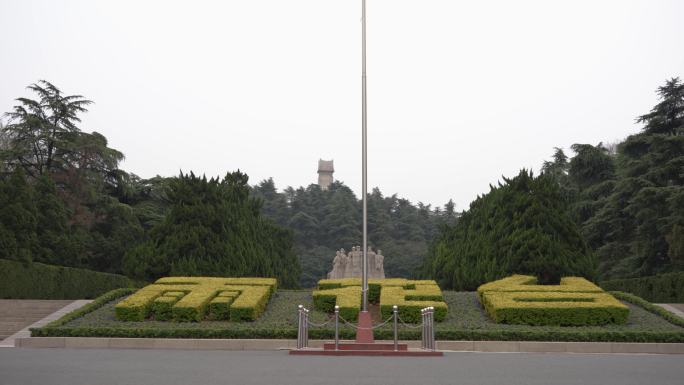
[(337, 327), (432, 328), (306, 328), (300, 325), (395, 310), (422, 332)]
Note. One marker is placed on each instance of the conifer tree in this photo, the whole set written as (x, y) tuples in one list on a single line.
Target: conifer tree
[(214, 227), (18, 239), (520, 226)]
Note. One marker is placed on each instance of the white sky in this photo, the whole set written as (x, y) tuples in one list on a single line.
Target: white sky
[(460, 92)]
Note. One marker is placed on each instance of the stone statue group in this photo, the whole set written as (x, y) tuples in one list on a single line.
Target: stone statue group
[(350, 265)]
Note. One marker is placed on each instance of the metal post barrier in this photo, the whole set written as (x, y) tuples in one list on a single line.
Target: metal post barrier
[(428, 329), (306, 327), (300, 326), (422, 332), (395, 310), (337, 327), (432, 328)]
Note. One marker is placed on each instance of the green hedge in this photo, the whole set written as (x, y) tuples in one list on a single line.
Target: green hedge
[(575, 302), (664, 288), (38, 281), (531, 333), (631, 298)]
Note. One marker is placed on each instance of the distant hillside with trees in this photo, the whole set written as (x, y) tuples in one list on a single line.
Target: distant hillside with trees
[(324, 221)]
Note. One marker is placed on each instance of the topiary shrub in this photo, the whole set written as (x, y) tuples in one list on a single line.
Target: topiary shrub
[(575, 302), (192, 299)]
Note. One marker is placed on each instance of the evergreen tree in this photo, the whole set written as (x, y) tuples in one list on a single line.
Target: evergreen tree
[(630, 203), (18, 239), (214, 227), (56, 245), (667, 117), (520, 226), (42, 130)]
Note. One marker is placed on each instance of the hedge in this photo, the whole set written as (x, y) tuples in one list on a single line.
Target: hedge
[(528, 283), (187, 299), (670, 317), (410, 296), (58, 329), (347, 298), (20, 280), (563, 309), (663, 288), (575, 302), (410, 302)]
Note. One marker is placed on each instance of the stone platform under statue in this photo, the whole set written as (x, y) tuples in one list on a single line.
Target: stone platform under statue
[(350, 265)]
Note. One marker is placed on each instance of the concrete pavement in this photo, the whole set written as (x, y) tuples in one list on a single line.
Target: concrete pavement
[(170, 367)]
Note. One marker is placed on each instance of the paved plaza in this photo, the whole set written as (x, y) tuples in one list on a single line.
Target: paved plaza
[(167, 367)]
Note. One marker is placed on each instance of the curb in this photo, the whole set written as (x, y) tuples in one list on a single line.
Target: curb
[(256, 345)]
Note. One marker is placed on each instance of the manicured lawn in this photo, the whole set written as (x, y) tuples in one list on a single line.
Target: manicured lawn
[(466, 320)]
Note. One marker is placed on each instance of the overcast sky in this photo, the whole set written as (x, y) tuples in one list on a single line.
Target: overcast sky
[(460, 92)]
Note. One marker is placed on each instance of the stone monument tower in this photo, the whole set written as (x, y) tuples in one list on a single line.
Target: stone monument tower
[(325, 173)]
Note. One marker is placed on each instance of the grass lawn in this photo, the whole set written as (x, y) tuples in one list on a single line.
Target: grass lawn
[(466, 320)]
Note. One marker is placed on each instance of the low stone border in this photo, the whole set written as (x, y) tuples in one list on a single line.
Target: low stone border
[(244, 344)]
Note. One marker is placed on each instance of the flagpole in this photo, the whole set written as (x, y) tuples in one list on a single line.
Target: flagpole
[(364, 148)]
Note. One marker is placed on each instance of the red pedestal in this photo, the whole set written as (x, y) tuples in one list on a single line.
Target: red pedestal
[(364, 334)]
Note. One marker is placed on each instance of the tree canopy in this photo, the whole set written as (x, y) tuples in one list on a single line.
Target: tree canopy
[(323, 221), (629, 203)]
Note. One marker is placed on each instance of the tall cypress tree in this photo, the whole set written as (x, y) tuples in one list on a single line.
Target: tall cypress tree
[(214, 227), (520, 226)]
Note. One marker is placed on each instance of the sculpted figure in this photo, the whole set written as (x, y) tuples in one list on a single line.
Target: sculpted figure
[(344, 259), (354, 254), (349, 265), (379, 259), (336, 261)]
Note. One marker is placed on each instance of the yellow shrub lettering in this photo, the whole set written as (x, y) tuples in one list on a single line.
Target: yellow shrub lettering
[(194, 298), (575, 302), (408, 295)]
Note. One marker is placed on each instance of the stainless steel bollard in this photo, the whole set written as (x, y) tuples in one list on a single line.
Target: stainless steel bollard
[(429, 330), (432, 328), (337, 327), (423, 334), (300, 325), (306, 327), (395, 310), (429, 327)]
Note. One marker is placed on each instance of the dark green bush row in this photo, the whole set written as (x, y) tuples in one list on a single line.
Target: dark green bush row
[(382, 334), (57, 329), (564, 316), (671, 318), (20, 280), (664, 288)]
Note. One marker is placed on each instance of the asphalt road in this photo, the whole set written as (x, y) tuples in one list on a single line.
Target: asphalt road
[(171, 367)]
